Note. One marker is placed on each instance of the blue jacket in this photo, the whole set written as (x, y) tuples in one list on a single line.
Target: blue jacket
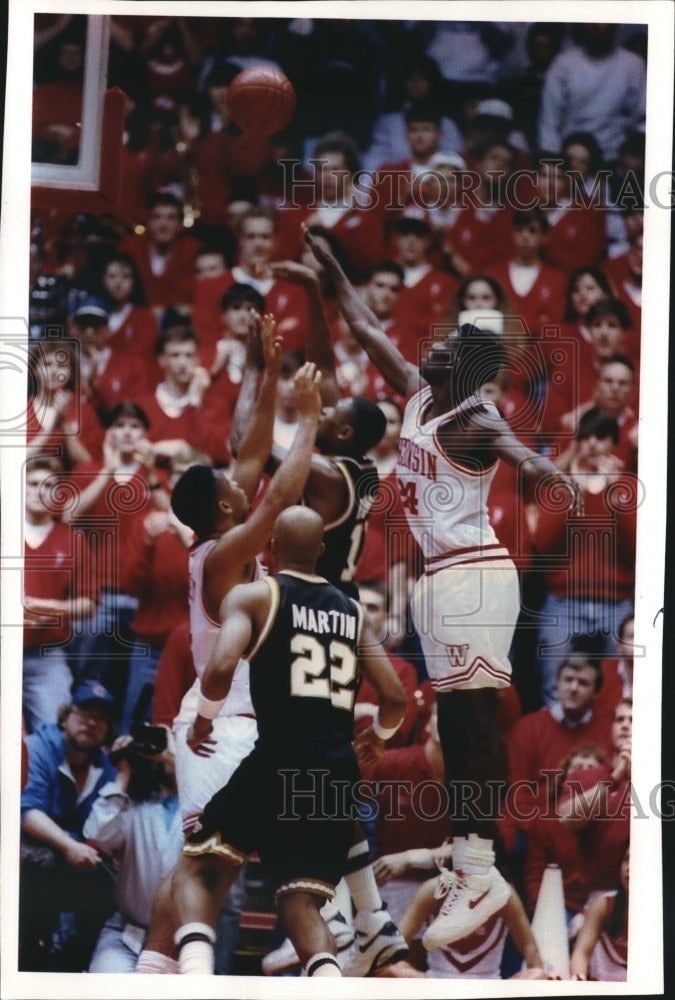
[(54, 792)]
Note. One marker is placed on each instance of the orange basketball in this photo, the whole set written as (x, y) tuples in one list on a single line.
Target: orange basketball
[(261, 99)]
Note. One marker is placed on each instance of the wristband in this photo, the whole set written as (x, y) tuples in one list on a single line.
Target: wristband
[(384, 734), (154, 486), (207, 708)]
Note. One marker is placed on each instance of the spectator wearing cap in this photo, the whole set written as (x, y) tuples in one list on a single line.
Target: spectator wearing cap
[(427, 290), (397, 182), (440, 193), (106, 376), (492, 120), (163, 254), (65, 887), (476, 239)]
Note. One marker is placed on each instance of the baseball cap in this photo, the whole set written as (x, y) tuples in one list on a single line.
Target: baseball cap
[(492, 107), (92, 692), (91, 305), (413, 220), (442, 159)]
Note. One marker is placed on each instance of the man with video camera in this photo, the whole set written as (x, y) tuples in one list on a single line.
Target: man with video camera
[(136, 819)]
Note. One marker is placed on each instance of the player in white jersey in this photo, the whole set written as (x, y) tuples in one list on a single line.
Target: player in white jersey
[(466, 602), (225, 553)]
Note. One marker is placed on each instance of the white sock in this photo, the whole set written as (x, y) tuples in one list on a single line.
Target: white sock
[(329, 910), (155, 963), (195, 943), (361, 883), (323, 964), (478, 855), (458, 853)]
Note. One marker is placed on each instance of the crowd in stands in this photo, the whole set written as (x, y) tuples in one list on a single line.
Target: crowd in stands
[(460, 171)]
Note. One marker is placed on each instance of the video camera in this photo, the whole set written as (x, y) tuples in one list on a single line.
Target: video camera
[(147, 740)]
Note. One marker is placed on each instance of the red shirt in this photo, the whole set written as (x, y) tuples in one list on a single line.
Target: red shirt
[(426, 303), (576, 239), (538, 743), (157, 573), (175, 675), (360, 233), (545, 302), (602, 841), (286, 301), (137, 336), (408, 792), (408, 678), (548, 842), (480, 235), (176, 284), (82, 421), (205, 427), (58, 569), (599, 557), (110, 521)]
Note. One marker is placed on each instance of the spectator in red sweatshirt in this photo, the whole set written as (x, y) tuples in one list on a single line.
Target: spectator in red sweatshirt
[(256, 232), (163, 254), (589, 568), (60, 587), (539, 742), (427, 291)]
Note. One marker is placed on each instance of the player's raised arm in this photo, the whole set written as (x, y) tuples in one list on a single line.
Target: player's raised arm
[(402, 376), (536, 469), (318, 343), (246, 540), (253, 421)]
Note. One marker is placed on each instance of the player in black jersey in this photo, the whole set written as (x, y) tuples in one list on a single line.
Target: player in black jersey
[(342, 484), (341, 487), (307, 643)]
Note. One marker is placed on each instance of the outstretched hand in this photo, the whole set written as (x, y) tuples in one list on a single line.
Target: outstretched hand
[(272, 345), (307, 385), (576, 498)]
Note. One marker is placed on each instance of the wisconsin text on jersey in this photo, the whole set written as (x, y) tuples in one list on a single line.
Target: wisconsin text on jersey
[(324, 622), (417, 459)]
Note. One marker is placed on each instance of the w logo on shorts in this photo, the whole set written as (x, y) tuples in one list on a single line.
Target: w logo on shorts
[(457, 654)]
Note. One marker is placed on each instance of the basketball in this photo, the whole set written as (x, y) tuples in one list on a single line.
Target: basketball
[(261, 99)]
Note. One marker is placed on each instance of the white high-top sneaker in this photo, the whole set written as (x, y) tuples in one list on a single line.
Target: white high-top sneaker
[(285, 957), (377, 941), (474, 890)]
